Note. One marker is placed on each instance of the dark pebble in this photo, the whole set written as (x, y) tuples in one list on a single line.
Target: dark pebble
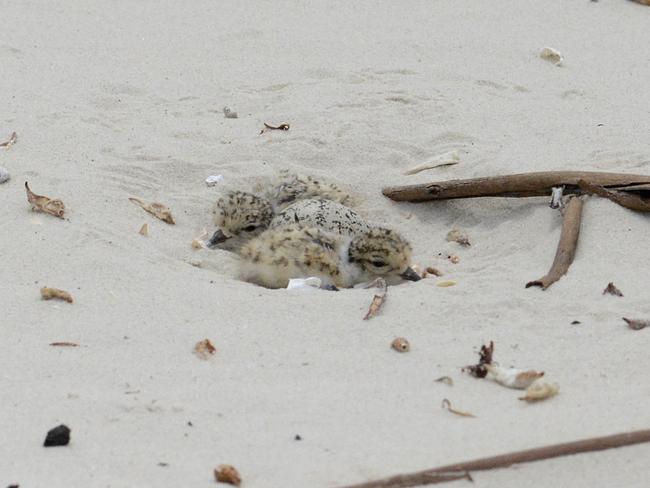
[(298, 438), (58, 436)]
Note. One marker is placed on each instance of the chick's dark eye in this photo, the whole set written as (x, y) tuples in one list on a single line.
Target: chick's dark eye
[(250, 228), (378, 264)]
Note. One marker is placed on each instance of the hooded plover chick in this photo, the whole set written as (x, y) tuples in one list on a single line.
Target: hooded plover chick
[(294, 251), (291, 187), (323, 214)]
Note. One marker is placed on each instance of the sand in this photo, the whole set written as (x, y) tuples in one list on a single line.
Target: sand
[(118, 99)]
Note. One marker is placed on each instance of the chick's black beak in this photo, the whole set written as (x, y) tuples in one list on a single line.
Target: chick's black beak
[(217, 238), (410, 275)]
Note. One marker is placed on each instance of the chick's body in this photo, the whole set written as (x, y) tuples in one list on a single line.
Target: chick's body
[(324, 214)]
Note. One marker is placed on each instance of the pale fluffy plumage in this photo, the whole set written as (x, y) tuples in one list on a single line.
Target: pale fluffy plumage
[(291, 187), (323, 214), (294, 251)]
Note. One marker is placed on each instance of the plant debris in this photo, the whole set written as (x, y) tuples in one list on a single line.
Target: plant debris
[(513, 377), (446, 380), (58, 436), (612, 290), (199, 242), (430, 270), (156, 209), (453, 258), (446, 404), (378, 300), (50, 293), (64, 344), (44, 204), (12, 140), (144, 230), (552, 55), (446, 283), (204, 349), (273, 127), (485, 359), (540, 390), (400, 344), (447, 159), (636, 324), (459, 236), (225, 473)]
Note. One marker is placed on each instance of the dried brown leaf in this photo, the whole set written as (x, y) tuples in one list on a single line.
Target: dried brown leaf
[(50, 293), (204, 349), (44, 204), (12, 140), (156, 209), (225, 473)]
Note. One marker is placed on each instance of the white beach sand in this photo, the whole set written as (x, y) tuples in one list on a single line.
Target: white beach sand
[(115, 99)]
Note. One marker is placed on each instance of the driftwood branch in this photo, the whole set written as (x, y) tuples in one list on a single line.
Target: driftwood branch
[(462, 470), (625, 199), (566, 249), (518, 185)]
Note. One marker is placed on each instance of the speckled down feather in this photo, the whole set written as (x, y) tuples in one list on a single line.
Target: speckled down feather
[(292, 187), (324, 214)]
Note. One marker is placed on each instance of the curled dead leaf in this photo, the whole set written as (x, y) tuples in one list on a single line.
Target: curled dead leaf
[(446, 404), (156, 209), (40, 203), (204, 349), (50, 293)]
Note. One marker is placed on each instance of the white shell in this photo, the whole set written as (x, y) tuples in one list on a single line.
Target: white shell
[(513, 377), (4, 175), (213, 180), (540, 390), (304, 283), (552, 55), (446, 159)]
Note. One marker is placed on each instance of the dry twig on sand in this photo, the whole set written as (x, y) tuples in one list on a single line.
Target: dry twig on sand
[(566, 249), (461, 470), (517, 185), (625, 199)]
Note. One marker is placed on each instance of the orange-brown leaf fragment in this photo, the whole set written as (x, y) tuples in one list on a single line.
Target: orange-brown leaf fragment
[(204, 349), (156, 209), (50, 293), (225, 473), (40, 203)]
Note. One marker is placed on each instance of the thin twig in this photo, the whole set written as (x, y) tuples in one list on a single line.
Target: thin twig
[(517, 185), (624, 199), (566, 249), (445, 473)]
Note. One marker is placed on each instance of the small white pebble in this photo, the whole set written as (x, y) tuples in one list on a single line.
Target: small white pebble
[(552, 55), (4, 175), (213, 180)]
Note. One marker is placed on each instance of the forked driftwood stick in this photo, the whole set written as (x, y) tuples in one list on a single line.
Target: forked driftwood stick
[(518, 185), (566, 249), (624, 199), (462, 470)]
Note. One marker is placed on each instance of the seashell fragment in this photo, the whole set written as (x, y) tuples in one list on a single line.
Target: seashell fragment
[(446, 283), (637, 324), (552, 55), (459, 236), (454, 259), (212, 180), (199, 242), (612, 290), (513, 377), (378, 300), (432, 271), (45, 204), (446, 404), (401, 345), (225, 473), (540, 390), (4, 175), (447, 159), (144, 230), (204, 349), (12, 140), (229, 114), (50, 293), (445, 379), (156, 209), (309, 283)]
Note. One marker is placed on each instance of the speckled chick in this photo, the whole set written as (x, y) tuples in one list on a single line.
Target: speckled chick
[(291, 187), (294, 251), (323, 214)]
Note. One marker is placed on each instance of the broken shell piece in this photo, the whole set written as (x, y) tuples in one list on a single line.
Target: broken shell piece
[(379, 299), (612, 290), (204, 349), (226, 473), (213, 180), (552, 55), (144, 230), (446, 404), (156, 209), (540, 390), (513, 377), (459, 236), (4, 175), (199, 242), (304, 283), (44, 204), (12, 140), (446, 283), (432, 271), (446, 159), (453, 258), (50, 293), (636, 324), (229, 114), (401, 345)]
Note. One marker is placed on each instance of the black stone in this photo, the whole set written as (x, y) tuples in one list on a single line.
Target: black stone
[(298, 438), (58, 436)]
